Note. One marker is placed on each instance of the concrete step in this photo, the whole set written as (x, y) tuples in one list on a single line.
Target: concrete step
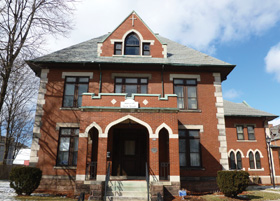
[(127, 188), (113, 198), (128, 183), (127, 193)]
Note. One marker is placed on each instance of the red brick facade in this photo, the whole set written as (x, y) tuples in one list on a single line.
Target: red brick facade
[(101, 115)]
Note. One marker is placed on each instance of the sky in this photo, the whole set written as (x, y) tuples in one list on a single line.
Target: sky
[(243, 33)]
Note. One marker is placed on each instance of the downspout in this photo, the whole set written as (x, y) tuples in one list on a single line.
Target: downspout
[(162, 82), (100, 79)]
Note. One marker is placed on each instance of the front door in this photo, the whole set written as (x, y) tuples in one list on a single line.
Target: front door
[(130, 152)]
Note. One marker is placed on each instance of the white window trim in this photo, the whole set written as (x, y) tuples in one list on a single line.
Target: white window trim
[(77, 74), (255, 161), (192, 127), (235, 158), (184, 76)]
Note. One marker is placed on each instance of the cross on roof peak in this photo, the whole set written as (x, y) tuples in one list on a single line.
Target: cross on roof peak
[(133, 18)]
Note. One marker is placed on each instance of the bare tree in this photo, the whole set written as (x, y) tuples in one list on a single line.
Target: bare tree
[(18, 113), (23, 25)]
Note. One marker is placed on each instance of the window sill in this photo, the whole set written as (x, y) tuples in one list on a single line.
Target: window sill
[(69, 108), (243, 169), (192, 168), (190, 111), (246, 140), (65, 167), (255, 169)]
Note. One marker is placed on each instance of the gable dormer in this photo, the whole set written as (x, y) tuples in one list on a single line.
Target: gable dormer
[(132, 38)]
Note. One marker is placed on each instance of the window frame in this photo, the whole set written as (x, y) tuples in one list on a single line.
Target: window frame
[(135, 46), (240, 133), (124, 84), (117, 49), (188, 152), (146, 51), (236, 162), (185, 97), (252, 160), (71, 150), (76, 90)]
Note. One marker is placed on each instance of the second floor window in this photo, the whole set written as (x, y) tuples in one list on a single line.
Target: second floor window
[(73, 91), (131, 85), (240, 132), (251, 133), (186, 93)]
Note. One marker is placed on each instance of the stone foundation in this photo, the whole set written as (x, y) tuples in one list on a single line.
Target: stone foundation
[(93, 188)]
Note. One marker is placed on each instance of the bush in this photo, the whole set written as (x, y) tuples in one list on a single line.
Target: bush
[(231, 183), (25, 179)]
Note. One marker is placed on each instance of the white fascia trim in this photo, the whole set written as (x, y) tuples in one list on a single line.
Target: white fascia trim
[(113, 75), (175, 178), (90, 74), (66, 125), (80, 177), (100, 177), (192, 127), (184, 76)]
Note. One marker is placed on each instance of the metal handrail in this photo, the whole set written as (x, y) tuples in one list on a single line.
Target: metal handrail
[(148, 181), (106, 181)]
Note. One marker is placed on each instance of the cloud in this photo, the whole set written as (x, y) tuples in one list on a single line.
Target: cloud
[(275, 122), (231, 94), (199, 24), (272, 61)]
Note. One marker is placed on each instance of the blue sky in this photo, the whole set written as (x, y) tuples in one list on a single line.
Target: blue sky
[(244, 33)]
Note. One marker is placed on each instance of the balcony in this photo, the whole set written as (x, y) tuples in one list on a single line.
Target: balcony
[(137, 102)]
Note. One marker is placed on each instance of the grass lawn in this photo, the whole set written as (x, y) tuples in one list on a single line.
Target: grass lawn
[(35, 198), (247, 195)]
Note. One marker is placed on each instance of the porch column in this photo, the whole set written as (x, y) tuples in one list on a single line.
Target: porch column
[(82, 157), (154, 159), (102, 159), (174, 159)]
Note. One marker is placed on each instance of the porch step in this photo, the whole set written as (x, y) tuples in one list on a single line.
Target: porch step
[(127, 190)]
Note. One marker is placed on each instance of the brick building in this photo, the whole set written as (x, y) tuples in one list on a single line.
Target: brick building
[(134, 99)]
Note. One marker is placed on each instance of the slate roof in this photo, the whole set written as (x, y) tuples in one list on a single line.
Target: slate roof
[(177, 54), (243, 109)]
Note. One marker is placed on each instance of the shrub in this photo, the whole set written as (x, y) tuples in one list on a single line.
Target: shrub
[(25, 179), (231, 183)]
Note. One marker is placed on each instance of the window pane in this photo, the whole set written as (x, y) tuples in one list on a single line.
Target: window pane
[(143, 89), (183, 161), (144, 81), (192, 92), (192, 103), (64, 144), (179, 91), (132, 50), (129, 89), (146, 46), (76, 142), (258, 160), (232, 161), (194, 159), (70, 89), (118, 52), (251, 136), (146, 52), (76, 132), (191, 82), (193, 133), (118, 88), (75, 156), (239, 161), (182, 133), (182, 145), (70, 79), (79, 101), (68, 101), (239, 129), (250, 129), (118, 46), (66, 131), (119, 80), (180, 103), (83, 79), (194, 145), (132, 40), (251, 161), (131, 80), (83, 88), (176, 81), (63, 158)]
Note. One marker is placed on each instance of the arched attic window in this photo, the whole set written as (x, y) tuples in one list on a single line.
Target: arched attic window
[(132, 45)]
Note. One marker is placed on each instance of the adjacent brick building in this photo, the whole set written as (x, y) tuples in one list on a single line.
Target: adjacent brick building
[(131, 98)]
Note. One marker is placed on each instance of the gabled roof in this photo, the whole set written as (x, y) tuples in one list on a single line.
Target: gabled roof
[(86, 52), (243, 109)]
